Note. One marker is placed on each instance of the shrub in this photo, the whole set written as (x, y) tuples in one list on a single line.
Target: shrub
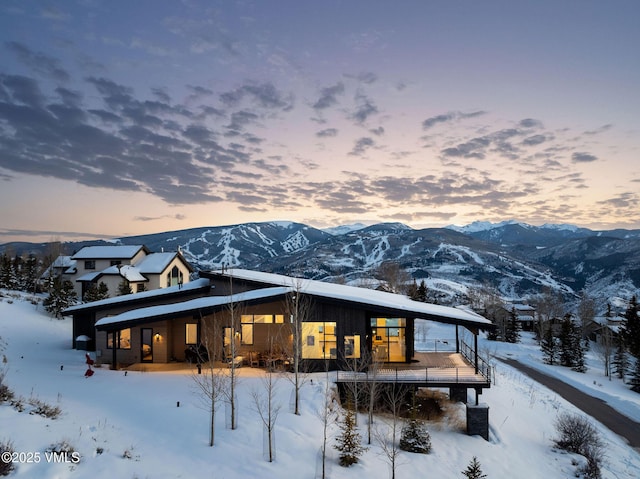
[(6, 467), (63, 446), (577, 435), (43, 409), (6, 394)]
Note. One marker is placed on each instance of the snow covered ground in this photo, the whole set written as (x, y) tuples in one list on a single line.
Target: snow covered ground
[(112, 415)]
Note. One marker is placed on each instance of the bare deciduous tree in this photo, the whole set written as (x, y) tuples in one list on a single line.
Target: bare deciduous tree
[(209, 381), (388, 435), (372, 390), (268, 411), (549, 306), (298, 307), (392, 276), (234, 312), (327, 415), (586, 312)]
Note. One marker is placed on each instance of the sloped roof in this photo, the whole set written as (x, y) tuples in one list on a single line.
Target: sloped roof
[(92, 276), (155, 313), (156, 263), (139, 297), (109, 252), (363, 296), (128, 272)]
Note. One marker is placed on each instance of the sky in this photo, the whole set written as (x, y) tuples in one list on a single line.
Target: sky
[(120, 118)]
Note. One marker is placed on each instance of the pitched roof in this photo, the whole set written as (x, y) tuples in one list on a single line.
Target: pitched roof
[(109, 252), (128, 272), (367, 297), (135, 298), (156, 263), (210, 303)]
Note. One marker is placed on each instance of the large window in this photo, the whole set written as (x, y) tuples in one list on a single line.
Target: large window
[(175, 277), (319, 340), (388, 341), (191, 333), (123, 339), (248, 320)]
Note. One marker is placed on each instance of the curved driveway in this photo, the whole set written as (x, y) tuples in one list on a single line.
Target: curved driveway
[(594, 407)]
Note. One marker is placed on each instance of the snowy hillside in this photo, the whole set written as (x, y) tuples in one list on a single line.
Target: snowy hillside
[(128, 426)]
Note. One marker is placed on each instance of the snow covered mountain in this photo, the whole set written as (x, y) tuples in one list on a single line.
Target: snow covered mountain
[(517, 259)]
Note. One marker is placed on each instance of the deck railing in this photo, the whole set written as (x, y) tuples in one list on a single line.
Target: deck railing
[(470, 355), (443, 375), (436, 345), (428, 375)]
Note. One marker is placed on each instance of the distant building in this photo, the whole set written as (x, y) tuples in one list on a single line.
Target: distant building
[(525, 315), (134, 264)]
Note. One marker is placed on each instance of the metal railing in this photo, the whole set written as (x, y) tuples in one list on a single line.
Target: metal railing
[(470, 355), (428, 375)]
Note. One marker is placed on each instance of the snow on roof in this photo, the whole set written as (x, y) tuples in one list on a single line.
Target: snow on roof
[(195, 284), (108, 252), (128, 272), (190, 305), (156, 262), (90, 276), (63, 261), (358, 295)]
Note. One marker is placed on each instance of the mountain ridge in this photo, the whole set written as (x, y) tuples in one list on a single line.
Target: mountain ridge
[(516, 259)]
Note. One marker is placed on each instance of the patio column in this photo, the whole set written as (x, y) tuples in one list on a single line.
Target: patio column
[(475, 348), (114, 364), (457, 341)]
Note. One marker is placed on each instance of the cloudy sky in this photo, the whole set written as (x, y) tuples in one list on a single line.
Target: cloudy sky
[(129, 117)]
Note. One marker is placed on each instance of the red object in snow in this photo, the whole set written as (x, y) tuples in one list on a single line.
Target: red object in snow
[(89, 360), (88, 373)]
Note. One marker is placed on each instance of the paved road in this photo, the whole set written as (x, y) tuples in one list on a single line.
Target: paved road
[(594, 407)]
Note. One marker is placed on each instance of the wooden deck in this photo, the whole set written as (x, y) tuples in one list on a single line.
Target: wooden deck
[(428, 370)]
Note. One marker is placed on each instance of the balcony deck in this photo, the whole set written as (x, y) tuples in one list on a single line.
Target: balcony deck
[(428, 369)]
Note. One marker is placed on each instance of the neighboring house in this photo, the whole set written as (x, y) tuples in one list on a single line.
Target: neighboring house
[(605, 329), (525, 314), (58, 269), (85, 315), (134, 264)]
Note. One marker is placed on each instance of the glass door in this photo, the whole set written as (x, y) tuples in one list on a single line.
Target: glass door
[(146, 345)]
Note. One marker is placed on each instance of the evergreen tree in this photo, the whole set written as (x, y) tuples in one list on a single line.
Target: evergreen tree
[(30, 273), (634, 381), (349, 442), (61, 296), (422, 292), (512, 333), (570, 345), (5, 271), (549, 347), (414, 436), (620, 360), (473, 470), (412, 290), (96, 292), (124, 288), (631, 328)]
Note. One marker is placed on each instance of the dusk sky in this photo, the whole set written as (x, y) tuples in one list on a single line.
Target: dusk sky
[(129, 117)]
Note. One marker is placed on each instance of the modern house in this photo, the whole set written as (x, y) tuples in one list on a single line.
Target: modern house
[(264, 319), (135, 265)]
